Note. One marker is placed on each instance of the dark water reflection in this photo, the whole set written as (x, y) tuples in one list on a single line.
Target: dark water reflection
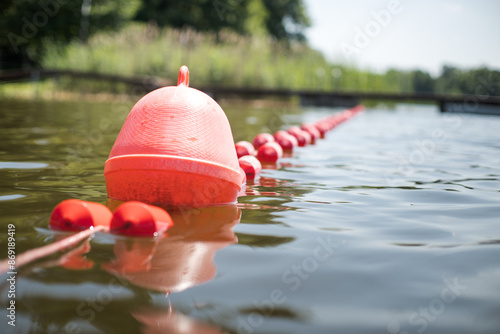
[(389, 225)]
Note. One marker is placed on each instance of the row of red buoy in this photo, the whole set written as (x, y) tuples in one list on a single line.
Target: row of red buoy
[(175, 138), (129, 219), (267, 148), (135, 218)]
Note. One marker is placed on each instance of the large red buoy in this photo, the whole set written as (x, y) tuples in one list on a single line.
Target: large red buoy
[(175, 148)]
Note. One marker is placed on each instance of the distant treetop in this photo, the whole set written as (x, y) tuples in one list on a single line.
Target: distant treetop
[(26, 26), (282, 19)]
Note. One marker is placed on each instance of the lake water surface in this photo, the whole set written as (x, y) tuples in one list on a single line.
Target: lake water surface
[(391, 224)]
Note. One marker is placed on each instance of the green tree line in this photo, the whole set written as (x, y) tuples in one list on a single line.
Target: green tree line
[(227, 42), (451, 80), (27, 26)]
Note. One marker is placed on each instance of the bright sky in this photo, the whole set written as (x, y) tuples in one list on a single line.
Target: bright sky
[(421, 34)]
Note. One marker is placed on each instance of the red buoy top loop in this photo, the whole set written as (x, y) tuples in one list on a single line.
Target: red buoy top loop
[(183, 79)]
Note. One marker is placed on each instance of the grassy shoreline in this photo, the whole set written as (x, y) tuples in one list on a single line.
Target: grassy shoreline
[(225, 59), (47, 90), (228, 59)]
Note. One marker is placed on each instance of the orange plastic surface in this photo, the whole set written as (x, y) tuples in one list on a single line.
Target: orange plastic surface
[(175, 147)]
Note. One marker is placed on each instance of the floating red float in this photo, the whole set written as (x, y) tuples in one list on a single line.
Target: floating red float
[(269, 152), (77, 215), (261, 139), (251, 166), (244, 148), (175, 148), (139, 219), (286, 140)]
